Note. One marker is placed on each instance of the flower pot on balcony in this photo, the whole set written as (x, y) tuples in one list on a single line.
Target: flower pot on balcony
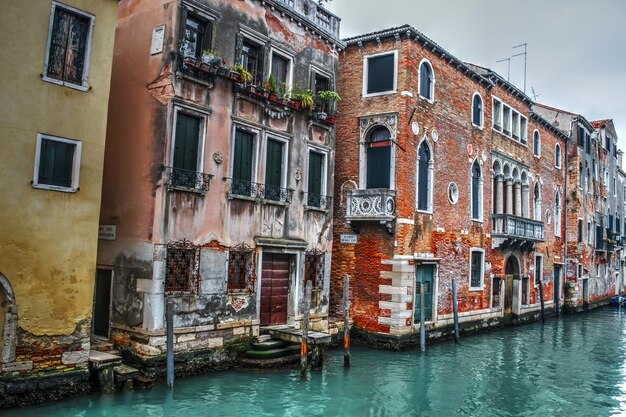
[(331, 120), (320, 116)]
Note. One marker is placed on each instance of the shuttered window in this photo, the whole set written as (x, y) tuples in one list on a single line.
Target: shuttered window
[(379, 159), (316, 166), (68, 46), (477, 110), (274, 169), (55, 163), (380, 74), (476, 279), (280, 69), (186, 142), (242, 163)]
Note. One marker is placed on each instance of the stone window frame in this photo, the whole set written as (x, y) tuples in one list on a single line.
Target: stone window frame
[(480, 217), (557, 156), (243, 257), (366, 58), (324, 186), (257, 137), (536, 144), (522, 138), (481, 123), (367, 125), (191, 285), (558, 209), (540, 257), (203, 115), (481, 287), (74, 187), (286, 142), (85, 84), (431, 178), (8, 338), (432, 83), (274, 50)]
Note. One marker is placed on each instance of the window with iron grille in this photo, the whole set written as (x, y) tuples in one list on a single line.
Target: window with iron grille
[(67, 56), (241, 268), (182, 268)]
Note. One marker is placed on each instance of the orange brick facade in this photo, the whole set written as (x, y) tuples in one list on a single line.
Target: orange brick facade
[(382, 263)]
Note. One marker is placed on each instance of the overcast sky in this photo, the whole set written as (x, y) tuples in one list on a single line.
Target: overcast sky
[(576, 48)]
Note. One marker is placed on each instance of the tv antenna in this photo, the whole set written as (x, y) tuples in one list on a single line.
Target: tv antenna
[(508, 72), (535, 95), (525, 53)]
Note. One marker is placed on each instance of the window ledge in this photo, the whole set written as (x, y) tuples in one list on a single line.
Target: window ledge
[(481, 221), (477, 126), (424, 211), (275, 202), (84, 87), (48, 187), (382, 93), (430, 100), (476, 289), (239, 292), (174, 188), (232, 196), (317, 209)]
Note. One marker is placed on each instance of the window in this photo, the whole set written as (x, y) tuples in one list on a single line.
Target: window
[(477, 110), (579, 271), (186, 157), (515, 125), (424, 178), (281, 69), (197, 36), (606, 179), (557, 155), (581, 177), (243, 164), (322, 83), (557, 215), (537, 201), (607, 143), (380, 74), (536, 144), (525, 291), (581, 136), (316, 188), (252, 61), (426, 81), (314, 272), (589, 238), (580, 230), (538, 269), (523, 130), (69, 46), (476, 268), (497, 114), (182, 268), (614, 186), (275, 172), (477, 185), (241, 275), (378, 158), (506, 116), (57, 163)]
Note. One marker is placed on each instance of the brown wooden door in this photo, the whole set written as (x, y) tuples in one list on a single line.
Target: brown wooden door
[(508, 294), (274, 289)]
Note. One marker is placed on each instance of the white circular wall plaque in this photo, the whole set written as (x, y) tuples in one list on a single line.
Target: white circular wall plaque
[(435, 135), (415, 128)]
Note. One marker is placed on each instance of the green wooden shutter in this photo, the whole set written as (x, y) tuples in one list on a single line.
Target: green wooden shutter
[(274, 163), (315, 172), (242, 163), (55, 163), (186, 142), (378, 167)]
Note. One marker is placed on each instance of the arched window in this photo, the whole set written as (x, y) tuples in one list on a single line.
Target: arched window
[(477, 192), (537, 202), (424, 178), (477, 110), (536, 144), (426, 81), (557, 214), (378, 158), (581, 176), (557, 155)]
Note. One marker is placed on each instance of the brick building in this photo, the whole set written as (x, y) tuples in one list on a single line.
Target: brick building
[(446, 173), (217, 182), (595, 207)]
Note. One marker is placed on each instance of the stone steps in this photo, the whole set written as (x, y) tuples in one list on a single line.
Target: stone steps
[(276, 353), (268, 344)]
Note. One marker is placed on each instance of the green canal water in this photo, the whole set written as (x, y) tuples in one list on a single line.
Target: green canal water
[(575, 366)]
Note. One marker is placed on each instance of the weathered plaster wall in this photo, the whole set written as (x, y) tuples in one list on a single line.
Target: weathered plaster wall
[(48, 238)]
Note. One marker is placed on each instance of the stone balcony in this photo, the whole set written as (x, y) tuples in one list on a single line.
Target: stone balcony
[(509, 231), (376, 205)]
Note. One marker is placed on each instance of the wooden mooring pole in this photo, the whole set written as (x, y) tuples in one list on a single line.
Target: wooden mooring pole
[(455, 310), (169, 320), (543, 317), (346, 321), (422, 320), (306, 303)]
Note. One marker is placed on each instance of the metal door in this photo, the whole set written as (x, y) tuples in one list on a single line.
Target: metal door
[(274, 289), (425, 274)]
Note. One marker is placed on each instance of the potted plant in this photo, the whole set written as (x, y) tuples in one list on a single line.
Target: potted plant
[(306, 99), (271, 88), (325, 100), (211, 57), (243, 74)]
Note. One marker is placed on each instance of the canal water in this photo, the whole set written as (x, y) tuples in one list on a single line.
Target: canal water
[(575, 366)]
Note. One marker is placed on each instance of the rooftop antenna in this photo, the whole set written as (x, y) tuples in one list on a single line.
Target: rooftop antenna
[(535, 95), (508, 72), (525, 53)]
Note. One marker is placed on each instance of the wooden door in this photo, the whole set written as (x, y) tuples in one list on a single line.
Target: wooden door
[(425, 274), (274, 289), (508, 294), (102, 303)]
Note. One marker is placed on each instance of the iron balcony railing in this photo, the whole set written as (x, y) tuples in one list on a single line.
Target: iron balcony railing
[(179, 178), (241, 188), (509, 226), (323, 202), (372, 204), (194, 67)]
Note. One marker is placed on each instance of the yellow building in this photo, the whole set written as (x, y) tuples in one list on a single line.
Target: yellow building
[(55, 61)]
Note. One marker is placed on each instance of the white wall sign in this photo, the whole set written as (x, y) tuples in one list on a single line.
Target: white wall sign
[(107, 231), (348, 239), (158, 33)]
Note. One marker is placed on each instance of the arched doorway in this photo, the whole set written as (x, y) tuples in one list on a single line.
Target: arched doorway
[(511, 272), (8, 321)]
